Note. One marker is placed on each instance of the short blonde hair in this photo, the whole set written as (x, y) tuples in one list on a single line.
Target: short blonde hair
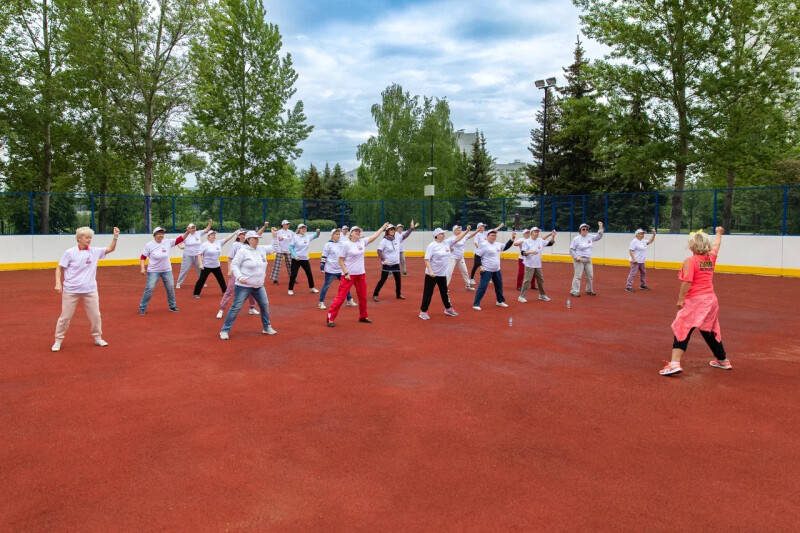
[(699, 243), (83, 230)]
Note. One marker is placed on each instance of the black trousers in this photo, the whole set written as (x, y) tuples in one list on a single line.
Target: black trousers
[(716, 346), (384, 277), (427, 292), (476, 264), (217, 271), (297, 264)]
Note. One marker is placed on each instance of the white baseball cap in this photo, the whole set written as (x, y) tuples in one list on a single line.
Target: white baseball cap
[(456, 227), (284, 221), (584, 225), (355, 228), (211, 231), (526, 230), (191, 225), (251, 235), (345, 227), (399, 225), (535, 228), (480, 225), (640, 230), (301, 225), (437, 232), (159, 228), (390, 226)]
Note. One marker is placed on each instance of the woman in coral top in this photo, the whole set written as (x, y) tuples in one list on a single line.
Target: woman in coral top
[(697, 303)]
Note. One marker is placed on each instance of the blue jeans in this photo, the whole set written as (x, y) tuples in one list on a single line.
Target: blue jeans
[(241, 294), (497, 279), (330, 278), (152, 279)]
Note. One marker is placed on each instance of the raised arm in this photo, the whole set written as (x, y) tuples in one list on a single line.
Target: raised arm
[(718, 240), (411, 227), (498, 228), (113, 246), (208, 228), (510, 242), (600, 231), (262, 228), (182, 238), (652, 238), (377, 233), (462, 235)]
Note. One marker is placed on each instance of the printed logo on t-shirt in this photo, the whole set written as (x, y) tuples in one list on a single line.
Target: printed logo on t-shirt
[(360, 248), (706, 265), (164, 250), (88, 261)]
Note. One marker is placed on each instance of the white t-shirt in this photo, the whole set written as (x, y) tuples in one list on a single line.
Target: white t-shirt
[(234, 248), (639, 249), (490, 255), (285, 237), (80, 269), (582, 246), (210, 252), (331, 253), (192, 243), (391, 249), (480, 238), (251, 264), (457, 248), (438, 253), (533, 245), (353, 254), (301, 244), (398, 237), (158, 254)]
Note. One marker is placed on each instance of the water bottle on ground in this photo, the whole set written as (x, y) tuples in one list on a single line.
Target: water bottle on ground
[(510, 321), (568, 302)]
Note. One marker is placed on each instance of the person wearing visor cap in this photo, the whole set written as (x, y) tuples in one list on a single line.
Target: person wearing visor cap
[(399, 236), (351, 261), (231, 285), (284, 253), (520, 261), (480, 238), (299, 250), (581, 251), (490, 268), (532, 249), (157, 253), (638, 251), (209, 264), (389, 254), (437, 259), (249, 269), (457, 256), (329, 264), (191, 249)]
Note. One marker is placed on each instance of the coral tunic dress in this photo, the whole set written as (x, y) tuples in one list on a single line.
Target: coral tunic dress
[(701, 309)]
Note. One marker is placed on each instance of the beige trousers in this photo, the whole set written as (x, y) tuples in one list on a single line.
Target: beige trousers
[(91, 302), (580, 268)]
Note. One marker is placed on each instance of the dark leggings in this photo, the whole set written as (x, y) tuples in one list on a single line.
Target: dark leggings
[(475, 266), (217, 271), (297, 264), (427, 292), (716, 346), (384, 277)]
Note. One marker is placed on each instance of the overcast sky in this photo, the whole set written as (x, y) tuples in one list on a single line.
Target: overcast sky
[(482, 56)]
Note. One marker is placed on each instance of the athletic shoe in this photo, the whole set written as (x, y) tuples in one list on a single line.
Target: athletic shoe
[(475, 307), (405, 273), (100, 342), (174, 309), (450, 312), (473, 282), (351, 303), (501, 304), (629, 289), (204, 285), (56, 346), (223, 335), (724, 365), (574, 295), (220, 313), (291, 293), (591, 293), (401, 297), (671, 368), (544, 298), (519, 288), (141, 312), (424, 316), (365, 320), (522, 300), (269, 331), (644, 288), (275, 282), (254, 312), (470, 288), (375, 299), (321, 305), (195, 296), (178, 286), (330, 324), (313, 290)]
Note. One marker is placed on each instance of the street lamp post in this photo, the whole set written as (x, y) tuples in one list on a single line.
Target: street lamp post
[(545, 85)]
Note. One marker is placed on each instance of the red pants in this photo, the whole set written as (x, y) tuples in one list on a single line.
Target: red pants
[(360, 281), (521, 275)]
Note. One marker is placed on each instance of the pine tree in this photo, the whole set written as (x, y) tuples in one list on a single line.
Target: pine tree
[(480, 183)]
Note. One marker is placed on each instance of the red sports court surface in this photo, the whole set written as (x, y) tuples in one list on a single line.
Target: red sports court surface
[(559, 423)]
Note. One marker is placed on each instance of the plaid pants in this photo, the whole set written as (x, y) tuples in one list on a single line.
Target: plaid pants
[(276, 266)]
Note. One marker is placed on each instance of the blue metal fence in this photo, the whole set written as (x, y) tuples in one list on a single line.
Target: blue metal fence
[(758, 211)]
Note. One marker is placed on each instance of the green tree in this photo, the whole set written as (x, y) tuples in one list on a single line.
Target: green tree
[(481, 184), (536, 146), (240, 93), (312, 185)]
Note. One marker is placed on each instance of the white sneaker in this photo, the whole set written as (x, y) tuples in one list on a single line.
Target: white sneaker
[(351, 303), (291, 293), (470, 288), (219, 313), (475, 307), (473, 282), (424, 316), (544, 298), (204, 285), (321, 305), (269, 331), (450, 312), (56, 346), (522, 300), (254, 312), (178, 286), (100, 342), (315, 291), (501, 304), (223, 335)]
